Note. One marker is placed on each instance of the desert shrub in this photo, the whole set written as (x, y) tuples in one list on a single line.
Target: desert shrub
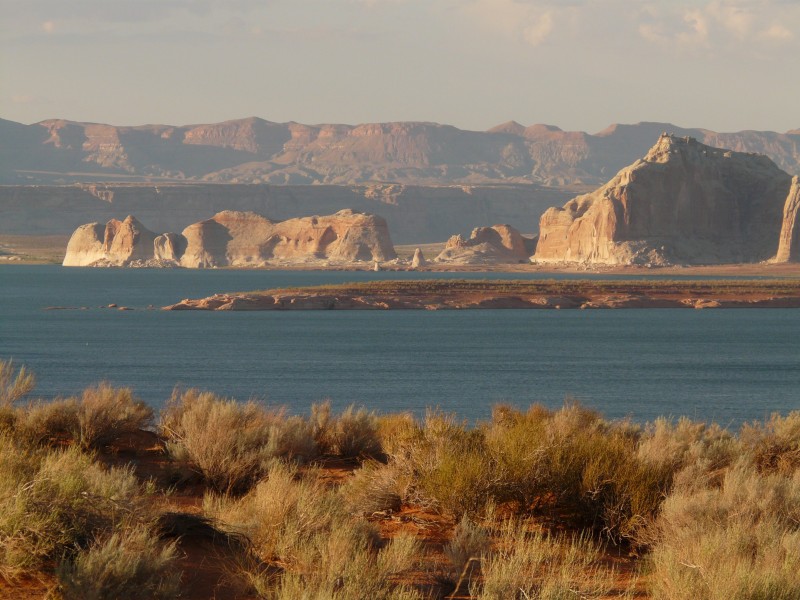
[(375, 487), (470, 542), (740, 539), (52, 502), (42, 422), (775, 444), (131, 563), (14, 383), (448, 466), (105, 413), (352, 434), (528, 565), (305, 527), (395, 431), (709, 448), (229, 443)]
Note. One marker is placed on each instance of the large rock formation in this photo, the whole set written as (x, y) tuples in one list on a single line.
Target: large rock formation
[(685, 202), (789, 242), (495, 244), (118, 243), (232, 238)]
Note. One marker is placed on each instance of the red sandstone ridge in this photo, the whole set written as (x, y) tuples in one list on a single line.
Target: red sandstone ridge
[(684, 203), (232, 238)]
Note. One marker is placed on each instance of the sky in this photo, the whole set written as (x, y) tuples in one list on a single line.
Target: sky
[(578, 64)]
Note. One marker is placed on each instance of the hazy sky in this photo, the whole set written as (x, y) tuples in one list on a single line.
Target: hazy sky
[(578, 64)]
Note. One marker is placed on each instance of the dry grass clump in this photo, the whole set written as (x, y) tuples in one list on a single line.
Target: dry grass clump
[(14, 383), (231, 444), (54, 502), (527, 565), (352, 434), (131, 564), (740, 539), (303, 530)]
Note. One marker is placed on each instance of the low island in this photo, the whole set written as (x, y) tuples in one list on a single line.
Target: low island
[(439, 294)]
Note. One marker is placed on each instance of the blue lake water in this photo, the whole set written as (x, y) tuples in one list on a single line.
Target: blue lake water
[(725, 365)]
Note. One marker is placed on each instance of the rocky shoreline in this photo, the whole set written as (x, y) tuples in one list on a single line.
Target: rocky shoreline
[(543, 294)]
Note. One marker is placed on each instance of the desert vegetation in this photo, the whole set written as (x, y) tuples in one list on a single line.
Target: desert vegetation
[(212, 498)]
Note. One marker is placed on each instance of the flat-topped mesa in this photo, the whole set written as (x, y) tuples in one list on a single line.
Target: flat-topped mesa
[(116, 244), (684, 202), (232, 238), (495, 244)]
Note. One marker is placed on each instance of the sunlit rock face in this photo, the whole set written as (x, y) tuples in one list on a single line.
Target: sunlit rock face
[(116, 244), (684, 202)]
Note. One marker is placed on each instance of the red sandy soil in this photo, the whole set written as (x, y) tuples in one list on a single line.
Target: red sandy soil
[(203, 557)]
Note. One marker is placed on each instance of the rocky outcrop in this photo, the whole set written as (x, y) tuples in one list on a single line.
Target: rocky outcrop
[(418, 260), (118, 243), (495, 244), (684, 202), (789, 242), (233, 238)]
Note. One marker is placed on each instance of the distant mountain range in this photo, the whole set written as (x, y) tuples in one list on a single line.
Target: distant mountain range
[(253, 150)]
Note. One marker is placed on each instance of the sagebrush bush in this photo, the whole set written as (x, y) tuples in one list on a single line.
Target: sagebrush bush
[(740, 539), (352, 434), (130, 563), (774, 445), (231, 444), (374, 488), (469, 542), (104, 413), (305, 527), (54, 501)]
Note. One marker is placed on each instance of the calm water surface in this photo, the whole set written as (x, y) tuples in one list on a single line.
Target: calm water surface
[(726, 365)]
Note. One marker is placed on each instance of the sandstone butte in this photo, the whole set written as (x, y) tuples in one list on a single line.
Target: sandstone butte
[(487, 245), (232, 238), (683, 203)]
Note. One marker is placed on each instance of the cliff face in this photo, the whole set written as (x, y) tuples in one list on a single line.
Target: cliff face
[(232, 238), (789, 242), (495, 244), (118, 243), (253, 150), (685, 202)]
